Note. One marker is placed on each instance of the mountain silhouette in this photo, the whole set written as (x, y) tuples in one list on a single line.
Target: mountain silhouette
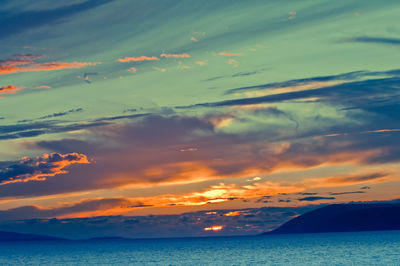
[(344, 218), (12, 236)]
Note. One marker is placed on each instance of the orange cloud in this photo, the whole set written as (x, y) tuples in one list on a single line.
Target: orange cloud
[(220, 193), (39, 168), (15, 66), (97, 207), (201, 63), (174, 55), (16, 62), (55, 65), (384, 130), (43, 87), (9, 89), (233, 62), (230, 54), (182, 66), (161, 69), (295, 88), (236, 213), (132, 69), (138, 59)]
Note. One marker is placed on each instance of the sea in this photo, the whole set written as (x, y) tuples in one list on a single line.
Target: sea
[(359, 248)]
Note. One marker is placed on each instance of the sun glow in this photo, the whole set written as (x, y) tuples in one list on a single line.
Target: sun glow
[(214, 228)]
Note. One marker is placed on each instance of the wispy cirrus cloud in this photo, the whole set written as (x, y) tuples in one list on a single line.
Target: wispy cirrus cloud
[(138, 59), (354, 93), (43, 87), (175, 55), (62, 113)]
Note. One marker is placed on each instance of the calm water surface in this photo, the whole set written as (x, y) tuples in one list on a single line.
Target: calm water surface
[(365, 248)]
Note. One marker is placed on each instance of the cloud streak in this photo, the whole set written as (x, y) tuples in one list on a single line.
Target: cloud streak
[(315, 198), (17, 66), (9, 89), (138, 59), (377, 40), (175, 55)]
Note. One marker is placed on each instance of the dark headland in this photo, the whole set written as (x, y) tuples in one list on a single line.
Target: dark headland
[(344, 218), (11, 236)]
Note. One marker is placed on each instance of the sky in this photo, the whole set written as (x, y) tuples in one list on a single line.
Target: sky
[(159, 112)]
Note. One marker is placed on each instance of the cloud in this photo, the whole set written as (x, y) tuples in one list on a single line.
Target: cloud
[(230, 54), (371, 95), (34, 128), (349, 179), (219, 152), (201, 63), (174, 55), (43, 87), (30, 57), (62, 113), (9, 89), (132, 69), (349, 76), (87, 207), (39, 168), (33, 219), (346, 193), (138, 59), (233, 62), (160, 69), (16, 66), (53, 115), (378, 40), (315, 198), (240, 74), (31, 128)]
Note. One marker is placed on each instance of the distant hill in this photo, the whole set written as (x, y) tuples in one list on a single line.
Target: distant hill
[(107, 238), (344, 218), (11, 236)]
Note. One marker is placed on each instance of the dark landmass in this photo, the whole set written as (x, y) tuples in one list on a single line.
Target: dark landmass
[(11, 236), (107, 238), (344, 218)]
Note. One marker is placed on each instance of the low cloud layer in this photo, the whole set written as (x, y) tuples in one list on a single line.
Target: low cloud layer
[(228, 222)]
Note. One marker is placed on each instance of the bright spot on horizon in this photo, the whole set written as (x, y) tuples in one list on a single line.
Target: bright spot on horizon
[(214, 228)]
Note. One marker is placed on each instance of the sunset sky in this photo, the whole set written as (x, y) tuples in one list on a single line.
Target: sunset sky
[(137, 108)]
